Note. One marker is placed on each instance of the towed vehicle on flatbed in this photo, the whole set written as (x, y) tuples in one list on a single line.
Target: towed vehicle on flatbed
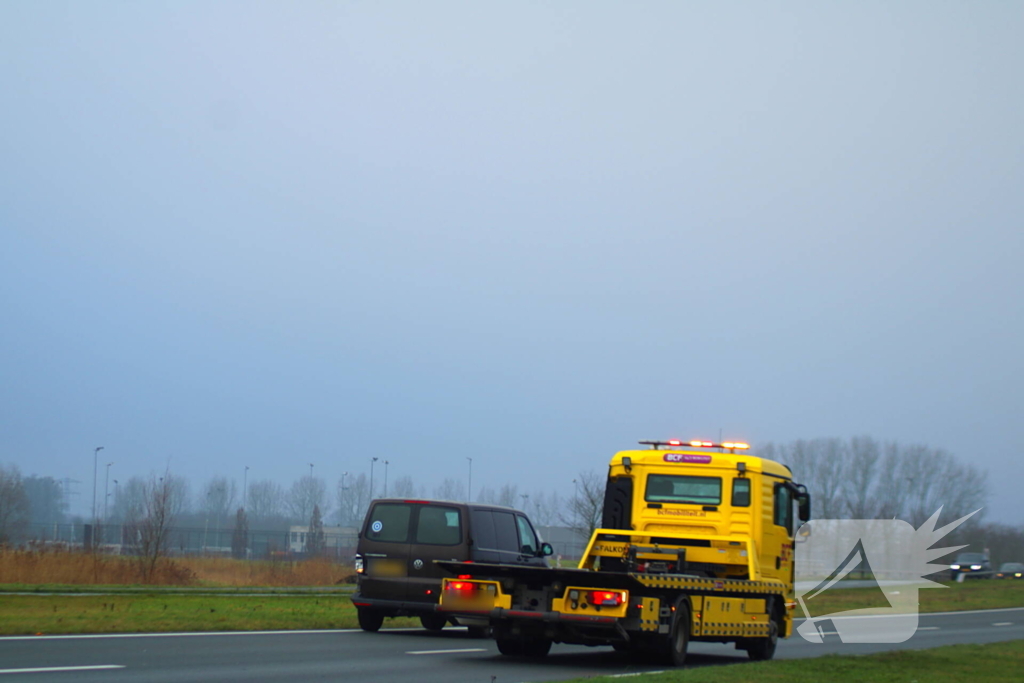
[(696, 543)]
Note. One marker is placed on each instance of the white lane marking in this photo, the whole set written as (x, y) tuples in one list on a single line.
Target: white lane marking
[(1003, 623), (200, 634), (445, 652), (51, 669), (638, 673)]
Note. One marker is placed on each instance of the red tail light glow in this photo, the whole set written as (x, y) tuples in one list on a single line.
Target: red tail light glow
[(606, 598)]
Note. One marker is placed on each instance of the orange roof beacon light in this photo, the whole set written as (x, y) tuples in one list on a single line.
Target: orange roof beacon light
[(677, 443)]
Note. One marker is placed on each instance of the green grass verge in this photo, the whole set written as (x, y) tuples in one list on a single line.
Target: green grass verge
[(992, 663), (955, 597), (156, 613)]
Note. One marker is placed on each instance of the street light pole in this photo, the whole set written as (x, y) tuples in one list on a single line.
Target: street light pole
[(386, 463), (95, 456), (469, 495), (245, 490), (106, 491), (373, 460)]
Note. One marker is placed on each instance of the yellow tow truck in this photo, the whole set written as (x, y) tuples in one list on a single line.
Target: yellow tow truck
[(696, 543)]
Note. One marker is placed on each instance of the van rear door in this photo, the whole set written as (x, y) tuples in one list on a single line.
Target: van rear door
[(385, 546), (438, 533)]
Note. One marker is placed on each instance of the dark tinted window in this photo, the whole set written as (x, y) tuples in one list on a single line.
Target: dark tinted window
[(505, 530), (741, 493), (483, 530), (389, 522), (526, 536), (439, 525)]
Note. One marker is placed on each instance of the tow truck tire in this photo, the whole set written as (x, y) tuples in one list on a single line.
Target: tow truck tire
[(762, 649), (524, 647), (433, 622), (679, 634), (370, 619)]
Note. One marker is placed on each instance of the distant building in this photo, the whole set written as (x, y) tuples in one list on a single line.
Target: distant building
[(339, 541)]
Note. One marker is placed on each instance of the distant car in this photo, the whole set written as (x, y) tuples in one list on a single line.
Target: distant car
[(1010, 570), (972, 566)]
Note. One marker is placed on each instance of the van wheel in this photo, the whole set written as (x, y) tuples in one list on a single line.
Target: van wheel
[(370, 619), (433, 622), (524, 647)]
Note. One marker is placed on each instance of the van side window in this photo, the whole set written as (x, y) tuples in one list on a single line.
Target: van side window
[(389, 522), (439, 525), (505, 530), (784, 507), (741, 492), (482, 527), (527, 537)]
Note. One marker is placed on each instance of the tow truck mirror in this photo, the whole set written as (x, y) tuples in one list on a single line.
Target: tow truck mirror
[(804, 507), (546, 550)]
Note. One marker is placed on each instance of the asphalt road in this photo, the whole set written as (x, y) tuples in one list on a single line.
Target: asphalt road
[(408, 655)]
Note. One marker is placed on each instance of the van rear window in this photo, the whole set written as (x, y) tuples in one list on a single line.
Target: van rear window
[(439, 525), (389, 522)]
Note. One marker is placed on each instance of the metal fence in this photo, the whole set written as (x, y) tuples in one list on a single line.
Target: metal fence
[(121, 539)]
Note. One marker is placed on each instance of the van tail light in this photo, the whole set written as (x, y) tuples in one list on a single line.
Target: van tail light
[(606, 598)]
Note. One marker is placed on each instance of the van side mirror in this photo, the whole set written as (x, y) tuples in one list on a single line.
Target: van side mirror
[(546, 550)]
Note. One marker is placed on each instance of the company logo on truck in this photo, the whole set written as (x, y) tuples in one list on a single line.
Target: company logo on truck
[(687, 457)]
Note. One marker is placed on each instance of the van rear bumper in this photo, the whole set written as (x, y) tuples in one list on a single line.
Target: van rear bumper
[(394, 608)]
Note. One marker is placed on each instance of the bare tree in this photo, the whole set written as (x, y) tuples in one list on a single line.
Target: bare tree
[(218, 498), (240, 536), (586, 505), (315, 537), (860, 485), (163, 500), (265, 499), (404, 487), (450, 489), (353, 500), (545, 507), (304, 494), (14, 504)]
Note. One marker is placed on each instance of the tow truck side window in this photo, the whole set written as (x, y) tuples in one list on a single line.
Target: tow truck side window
[(669, 488), (784, 507), (740, 493)]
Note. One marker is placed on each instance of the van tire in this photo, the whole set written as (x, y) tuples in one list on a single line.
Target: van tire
[(524, 647), (370, 619), (433, 622)]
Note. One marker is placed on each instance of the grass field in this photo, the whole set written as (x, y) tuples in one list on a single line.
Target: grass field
[(40, 614), (992, 663), (977, 594), (58, 567)]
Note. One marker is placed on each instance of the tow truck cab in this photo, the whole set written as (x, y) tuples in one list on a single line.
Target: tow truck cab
[(731, 513)]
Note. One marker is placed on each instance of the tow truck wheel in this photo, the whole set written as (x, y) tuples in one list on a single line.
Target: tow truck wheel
[(760, 649), (679, 634), (370, 619), (433, 622)]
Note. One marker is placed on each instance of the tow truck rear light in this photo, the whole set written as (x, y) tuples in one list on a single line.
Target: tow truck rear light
[(606, 598), (461, 586)]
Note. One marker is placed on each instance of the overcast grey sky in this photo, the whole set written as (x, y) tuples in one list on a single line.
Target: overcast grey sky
[(270, 234)]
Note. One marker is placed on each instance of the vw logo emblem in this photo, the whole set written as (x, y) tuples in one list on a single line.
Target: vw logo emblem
[(418, 564)]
